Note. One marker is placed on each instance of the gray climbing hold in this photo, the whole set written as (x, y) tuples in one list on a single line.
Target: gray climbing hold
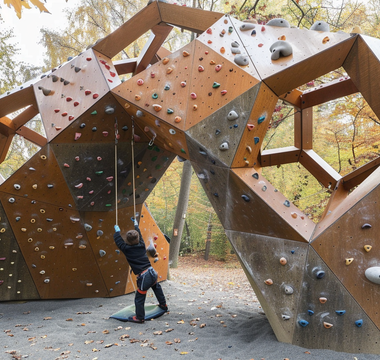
[(232, 115), (280, 48), (87, 227), (17, 186), (241, 60), (245, 198), (217, 132), (46, 281), (11, 200), (288, 290), (366, 226), (247, 26), (279, 22), (255, 175), (287, 203), (285, 317), (235, 51), (235, 44), (224, 146), (373, 274), (102, 253), (109, 110), (320, 26), (99, 233), (139, 114)]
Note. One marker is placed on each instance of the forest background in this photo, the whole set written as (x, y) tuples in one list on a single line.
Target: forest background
[(346, 131)]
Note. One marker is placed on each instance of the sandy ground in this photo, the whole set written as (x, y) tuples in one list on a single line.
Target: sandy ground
[(213, 315)]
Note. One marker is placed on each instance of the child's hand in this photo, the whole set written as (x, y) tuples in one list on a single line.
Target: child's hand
[(134, 221), (116, 227)]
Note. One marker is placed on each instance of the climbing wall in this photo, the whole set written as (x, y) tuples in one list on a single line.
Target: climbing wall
[(210, 103)]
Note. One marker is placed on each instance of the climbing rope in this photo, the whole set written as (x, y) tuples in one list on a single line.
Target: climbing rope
[(133, 167), (116, 141)]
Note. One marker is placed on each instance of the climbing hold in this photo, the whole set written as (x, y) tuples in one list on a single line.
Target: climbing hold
[(349, 261), (250, 127), (139, 114), (255, 175), (285, 317), (261, 119), (232, 115), (235, 51), (367, 248), (172, 131), (283, 261), (325, 40), (310, 312), (366, 226), (82, 126), (256, 140), (140, 82), (215, 85), (69, 98), (209, 31), (216, 194), (170, 111), (11, 200), (278, 22), (177, 119), (105, 133), (165, 60), (223, 92), (359, 323), (322, 300), (245, 198), (109, 110), (224, 146), (87, 92), (46, 92), (287, 203), (183, 83), (46, 281), (217, 132), (249, 149), (87, 227), (340, 312), (201, 68), (77, 136), (241, 60), (280, 48), (218, 67), (157, 107), (193, 95), (268, 281), (320, 26), (102, 253), (327, 325), (169, 70), (320, 274), (17, 186), (77, 69), (247, 26), (167, 87), (373, 274), (222, 50), (303, 323), (137, 97), (64, 114), (288, 290)]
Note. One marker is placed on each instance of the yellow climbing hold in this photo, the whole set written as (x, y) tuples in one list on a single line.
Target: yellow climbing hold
[(349, 261), (367, 248)]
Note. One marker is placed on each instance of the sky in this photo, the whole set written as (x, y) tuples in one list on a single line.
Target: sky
[(27, 29)]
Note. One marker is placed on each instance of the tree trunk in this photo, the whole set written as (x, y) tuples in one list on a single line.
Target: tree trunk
[(180, 214), (208, 239)]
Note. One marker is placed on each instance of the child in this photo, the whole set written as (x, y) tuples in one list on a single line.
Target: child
[(135, 252)]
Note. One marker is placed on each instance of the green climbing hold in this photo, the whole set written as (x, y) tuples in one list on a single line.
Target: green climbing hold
[(215, 85), (157, 149), (230, 29), (99, 172), (94, 112), (124, 191), (170, 111), (158, 166), (108, 205), (183, 151), (155, 96), (154, 158)]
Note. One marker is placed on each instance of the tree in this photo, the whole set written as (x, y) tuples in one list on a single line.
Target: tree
[(19, 4)]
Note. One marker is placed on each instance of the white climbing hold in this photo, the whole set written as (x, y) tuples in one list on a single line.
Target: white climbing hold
[(280, 48), (232, 115), (373, 274), (224, 146)]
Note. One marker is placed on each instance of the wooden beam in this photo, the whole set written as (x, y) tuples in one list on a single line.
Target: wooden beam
[(337, 196), (192, 19), (163, 52), (319, 168), (5, 144), (303, 129), (157, 37), (334, 90), (32, 136), (130, 31), (17, 100), (292, 97), (21, 119), (357, 176), (279, 156), (125, 66)]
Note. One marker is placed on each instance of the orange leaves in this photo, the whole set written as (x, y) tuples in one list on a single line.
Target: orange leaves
[(18, 4)]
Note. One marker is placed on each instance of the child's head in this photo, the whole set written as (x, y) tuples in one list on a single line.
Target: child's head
[(132, 237)]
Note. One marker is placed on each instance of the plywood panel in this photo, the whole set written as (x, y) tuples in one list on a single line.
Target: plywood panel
[(345, 239), (364, 69), (55, 246), (225, 126), (273, 214), (67, 92), (252, 138), (341, 310), (17, 99), (221, 35), (261, 255), (16, 282), (108, 69), (161, 133), (40, 179)]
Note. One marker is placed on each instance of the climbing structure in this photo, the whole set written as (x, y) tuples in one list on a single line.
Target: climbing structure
[(210, 103)]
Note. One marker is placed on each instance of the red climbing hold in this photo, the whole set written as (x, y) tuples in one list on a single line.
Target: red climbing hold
[(71, 117), (64, 113), (95, 96), (107, 66), (88, 59), (109, 178), (57, 110), (79, 186), (105, 133), (250, 127), (66, 165), (69, 98), (87, 92), (223, 92), (112, 74), (76, 103)]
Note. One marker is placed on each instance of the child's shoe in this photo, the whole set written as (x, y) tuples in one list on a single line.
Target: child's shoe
[(135, 320), (163, 307)]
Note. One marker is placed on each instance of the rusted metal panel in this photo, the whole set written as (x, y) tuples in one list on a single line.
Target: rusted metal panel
[(274, 267), (16, 282), (340, 310)]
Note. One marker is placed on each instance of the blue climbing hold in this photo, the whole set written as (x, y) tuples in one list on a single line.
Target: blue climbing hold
[(287, 203), (261, 119), (310, 312), (359, 323), (236, 125), (216, 194), (256, 139), (292, 251), (303, 323), (245, 198), (340, 312)]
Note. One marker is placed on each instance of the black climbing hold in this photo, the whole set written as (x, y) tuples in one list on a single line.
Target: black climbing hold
[(77, 69), (213, 161), (125, 128), (69, 58), (18, 218), (82, 125), (253, 33), (94, 129), (153, 180), (320, 274), (217, 132), (255, 175), (287, 203), (212, 171), (245, 198), (49, 220)]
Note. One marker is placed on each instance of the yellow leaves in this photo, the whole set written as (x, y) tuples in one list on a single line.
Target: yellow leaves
[(18, 4)]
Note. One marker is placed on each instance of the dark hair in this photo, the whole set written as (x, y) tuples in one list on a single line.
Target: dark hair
[(132, 237)]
